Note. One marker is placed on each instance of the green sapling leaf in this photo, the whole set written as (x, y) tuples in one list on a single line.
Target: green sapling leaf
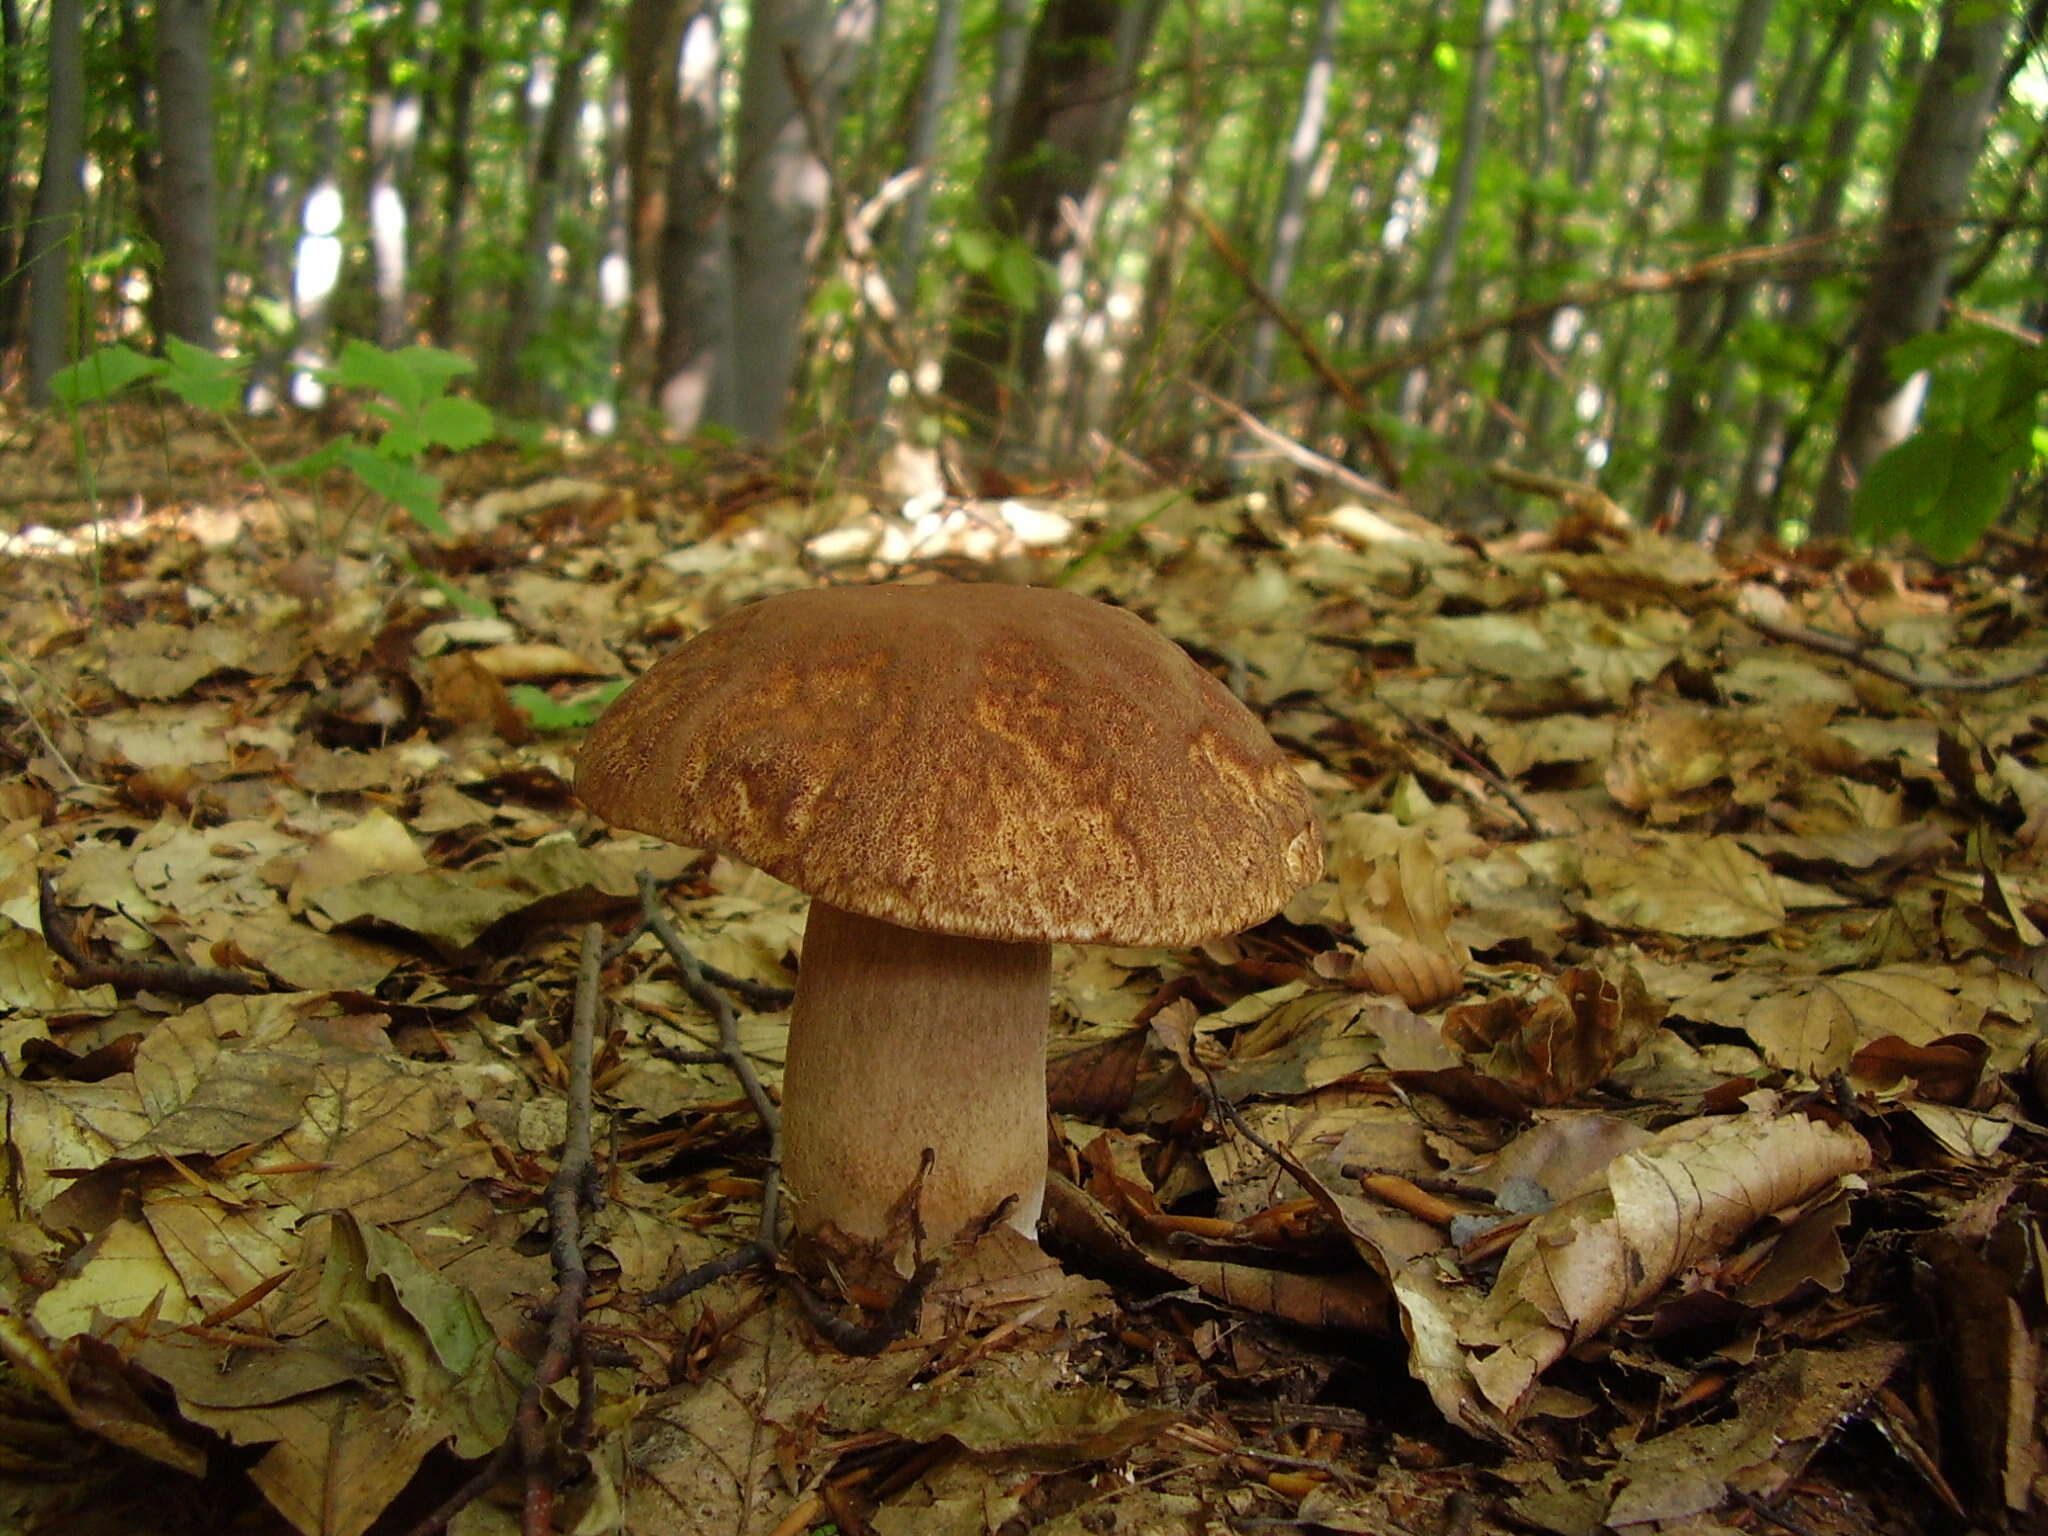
[(397, 481), (103, 374), (453, 422), (202, 378), (362, 366), (547, 713)]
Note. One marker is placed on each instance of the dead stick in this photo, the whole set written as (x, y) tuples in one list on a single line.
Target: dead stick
[(1858, 655), (133, 975), (1324, 370), (714, 1002)]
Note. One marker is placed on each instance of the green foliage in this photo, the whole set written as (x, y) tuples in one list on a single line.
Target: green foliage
[(1946, 484), (1008, 264), (548, 713), (102, 375), (407, 389)]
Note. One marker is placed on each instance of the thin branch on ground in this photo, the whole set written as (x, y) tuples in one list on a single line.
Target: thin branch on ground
[(654, 917), (575, 1189), (1491, 779), (170, 976), (1300, 455), (1858, 654), (35, 721)]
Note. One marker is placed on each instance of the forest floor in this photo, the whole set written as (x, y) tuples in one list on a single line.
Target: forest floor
[(1640, 1127)]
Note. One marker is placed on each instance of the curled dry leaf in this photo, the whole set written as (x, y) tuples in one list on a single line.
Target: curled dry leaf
[(1665, 1207), (1550, 1046), (1419, 975)]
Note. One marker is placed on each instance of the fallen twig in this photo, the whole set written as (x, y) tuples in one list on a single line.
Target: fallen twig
[(654, 917), (170, 976), (574, 1189), (1300, 455), (1857, 654)]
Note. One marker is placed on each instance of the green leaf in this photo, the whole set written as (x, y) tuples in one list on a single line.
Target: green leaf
[(1932, 348), (548, 713), (434, 367), (974, 249), (399, 482), (202, 378), (455, 423), (1015, 275), (476, 607), (362, 366), (102, 374), (1900, 491), (319, 461)]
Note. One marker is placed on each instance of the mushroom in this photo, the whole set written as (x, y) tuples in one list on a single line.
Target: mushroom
[(959, 776)]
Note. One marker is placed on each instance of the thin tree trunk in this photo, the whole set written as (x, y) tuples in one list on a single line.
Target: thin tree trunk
[(1399, 203), (1686, 394), (1150, 344), (1763, 471), (1012, 45), (456, 174), (1563, 336), (184, 90), (1067, 122), (1450, 230), (1290, 220), (12, 278), (60, 192), (780, 190), (390, 234), (526, 308), (283, 189), (941, 64), (1930, 187), (316, 264), (1534, 242), (682, 237)]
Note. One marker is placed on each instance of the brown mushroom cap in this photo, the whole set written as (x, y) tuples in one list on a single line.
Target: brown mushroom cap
[(997, 762)]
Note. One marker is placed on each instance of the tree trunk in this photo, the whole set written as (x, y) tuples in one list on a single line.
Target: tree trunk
[(316, 264), (282, 189), (1564, 333), (385, 128), (1930, 188), (184, 92), (676, 349), (456, 175), (780, 192), (1763, 470), (12, 277), (1450, 230), (60, 192), (920, 155), (1068, 120), (1535, 235), (527, 303), (1686, 394), (1290, 220)]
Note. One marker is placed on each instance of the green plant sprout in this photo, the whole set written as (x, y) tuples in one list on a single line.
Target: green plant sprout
[(550, 715), (407, 391), (1948, 482)]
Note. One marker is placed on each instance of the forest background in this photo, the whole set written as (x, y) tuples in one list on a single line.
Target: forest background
[(1716, 258)]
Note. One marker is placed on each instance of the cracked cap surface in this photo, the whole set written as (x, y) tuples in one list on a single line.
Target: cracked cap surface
[(999, 762)]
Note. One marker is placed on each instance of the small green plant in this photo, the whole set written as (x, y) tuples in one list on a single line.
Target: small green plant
[(549, 714), (407, 390), (1948, 482)]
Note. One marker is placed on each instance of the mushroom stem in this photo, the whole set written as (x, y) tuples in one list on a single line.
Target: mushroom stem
[(901, 1040)]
